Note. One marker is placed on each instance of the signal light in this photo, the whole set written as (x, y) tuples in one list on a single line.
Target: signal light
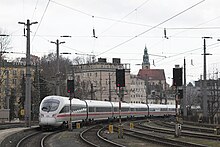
[(70, 86), (120, 77), (177, 77)]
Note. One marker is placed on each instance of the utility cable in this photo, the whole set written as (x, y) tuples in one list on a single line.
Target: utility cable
[(34, 10), (152, 27), (125, 16), (99, 17), (41, 20)]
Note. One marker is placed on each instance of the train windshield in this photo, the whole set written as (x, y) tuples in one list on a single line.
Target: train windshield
[(50, 105)]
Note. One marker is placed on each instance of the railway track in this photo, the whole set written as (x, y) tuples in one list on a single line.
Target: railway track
[(10, 125), (194, 128), (172, 132), (93, 138), (35, 139), (159, 139)]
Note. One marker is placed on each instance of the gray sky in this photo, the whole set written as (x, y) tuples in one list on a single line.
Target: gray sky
[(123, 28)]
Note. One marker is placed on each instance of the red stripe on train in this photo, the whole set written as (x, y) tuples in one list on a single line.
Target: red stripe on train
[(117, 113)]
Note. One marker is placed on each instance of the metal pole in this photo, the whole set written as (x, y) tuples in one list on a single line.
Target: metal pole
[(184, 90), (109, 82), (121, 95), (70, 123), (120, 126), (58, 69), (1, 80), (28, 77), (205, 109), (205, 98)]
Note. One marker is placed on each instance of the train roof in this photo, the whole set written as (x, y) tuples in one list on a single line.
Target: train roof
[(65, 100), (95, 103), (116, 104), (138, 105)]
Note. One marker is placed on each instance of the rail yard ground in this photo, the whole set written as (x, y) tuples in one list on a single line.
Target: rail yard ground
[(72, 138)]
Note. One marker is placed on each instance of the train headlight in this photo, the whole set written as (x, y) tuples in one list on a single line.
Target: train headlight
[(41, 115), (54, 115)]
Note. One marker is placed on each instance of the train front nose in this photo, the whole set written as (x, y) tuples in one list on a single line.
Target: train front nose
[(47, 119)]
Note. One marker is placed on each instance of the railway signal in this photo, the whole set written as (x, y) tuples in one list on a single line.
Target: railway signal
[(70, 86), (70, 90), (177, 77), (120, 77)]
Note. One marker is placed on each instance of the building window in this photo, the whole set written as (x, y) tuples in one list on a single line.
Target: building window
[(6, 71), (14, 72), (14, 81), (22, 72)]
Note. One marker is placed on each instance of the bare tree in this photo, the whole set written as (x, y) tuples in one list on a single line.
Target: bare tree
[(193, 98), (4, 45), (48, 67), (79, 60)]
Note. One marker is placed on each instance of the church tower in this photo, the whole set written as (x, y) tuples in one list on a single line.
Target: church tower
[(145, 63)]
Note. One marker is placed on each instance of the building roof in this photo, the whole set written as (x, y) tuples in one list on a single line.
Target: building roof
[(152, 74)]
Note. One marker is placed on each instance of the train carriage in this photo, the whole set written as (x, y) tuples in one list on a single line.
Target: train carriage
[(54, 111), (139, 110), (125, 110), (78, 111), (98, 110)]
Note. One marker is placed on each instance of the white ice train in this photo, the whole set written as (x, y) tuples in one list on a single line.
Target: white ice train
[(54, 110)]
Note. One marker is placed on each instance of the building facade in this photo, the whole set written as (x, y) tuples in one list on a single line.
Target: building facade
[(11, 74), (138, 90), (97, 81), (155, 81)]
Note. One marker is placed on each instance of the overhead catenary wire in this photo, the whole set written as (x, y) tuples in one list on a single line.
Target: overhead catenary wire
[(41, 20), (152, 27), (35, 8), (125, 16), (99, 17), (189, 51)]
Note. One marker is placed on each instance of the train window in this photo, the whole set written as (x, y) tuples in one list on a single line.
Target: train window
[(141, 109), (172, 109), (116, 109), (65, 109), (91, 109), (163, 109), (50, 105), (152, 109), (78, 109), (125, 109), (133, 109), (103, 109)]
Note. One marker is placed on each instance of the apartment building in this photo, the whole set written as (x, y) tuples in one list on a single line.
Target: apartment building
[(97, 81)]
